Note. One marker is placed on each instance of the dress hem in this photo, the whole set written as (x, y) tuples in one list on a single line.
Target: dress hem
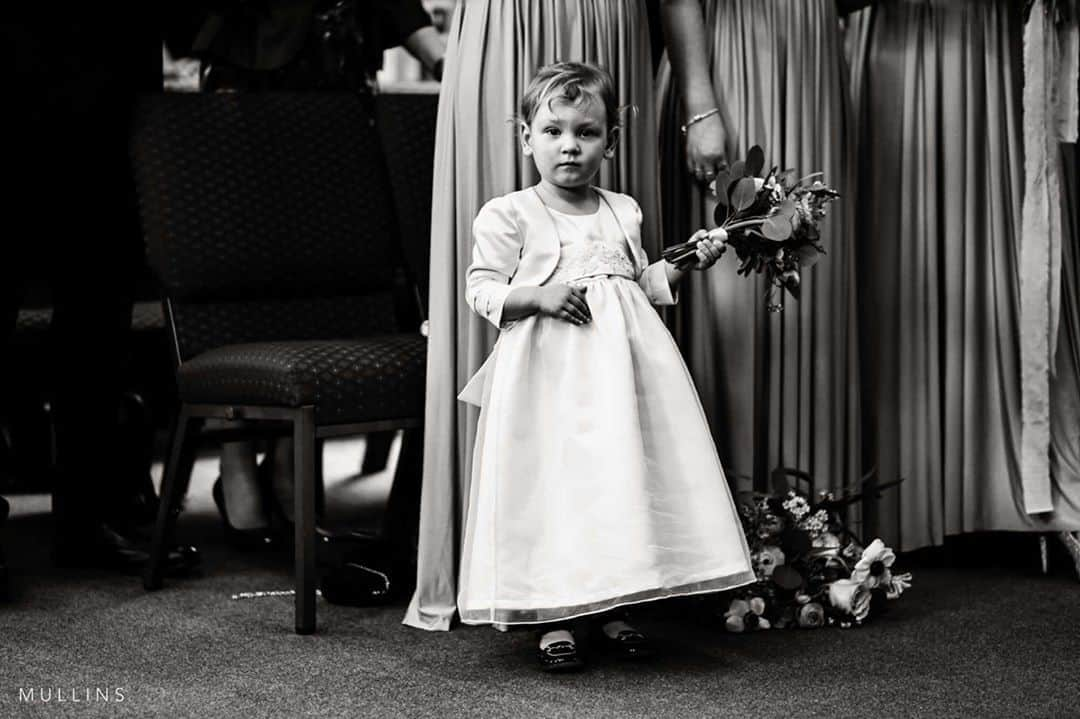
[(545, 615)]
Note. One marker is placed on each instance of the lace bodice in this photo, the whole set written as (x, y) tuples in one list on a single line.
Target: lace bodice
[(590, 246)]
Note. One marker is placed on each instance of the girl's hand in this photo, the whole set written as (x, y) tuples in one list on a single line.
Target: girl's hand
[(565, 303), (711, 246), (705, 147)]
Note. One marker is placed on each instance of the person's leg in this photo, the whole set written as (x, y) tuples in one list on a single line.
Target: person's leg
[(240, 487), (92, 300), (281, 463)]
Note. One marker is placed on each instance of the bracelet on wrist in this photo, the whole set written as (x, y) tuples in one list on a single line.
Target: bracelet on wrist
[(698, 118)]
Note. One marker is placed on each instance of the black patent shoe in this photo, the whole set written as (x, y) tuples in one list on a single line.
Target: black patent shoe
[(357, 585), (100, 546), (259, 539), (561, 656), (628, 644)]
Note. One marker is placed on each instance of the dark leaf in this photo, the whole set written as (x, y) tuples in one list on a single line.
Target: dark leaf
[(794, 289), (744, 194), (776, 228), (787, 578), (737, 171), (796, 542), (755, 161), (779, 480), (723, 179), (808, 255), (721, 212)]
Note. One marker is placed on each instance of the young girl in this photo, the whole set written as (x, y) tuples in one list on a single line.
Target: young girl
[(595, 481)]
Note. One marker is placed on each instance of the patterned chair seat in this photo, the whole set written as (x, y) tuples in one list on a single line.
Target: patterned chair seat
[(373, 378)]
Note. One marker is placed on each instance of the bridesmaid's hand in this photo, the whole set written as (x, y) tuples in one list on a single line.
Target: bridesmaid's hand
[(711, 247), (564, 302), (705, 143)]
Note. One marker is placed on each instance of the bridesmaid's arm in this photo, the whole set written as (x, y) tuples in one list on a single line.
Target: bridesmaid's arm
[(684, 34)]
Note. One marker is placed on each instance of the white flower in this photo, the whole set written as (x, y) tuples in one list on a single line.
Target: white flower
[(817, 522), (826, 540), (850, 596), (742, 614), (873, 568), (795, 505), (738, 607), (767, 560), (899, 583), (811, 616)]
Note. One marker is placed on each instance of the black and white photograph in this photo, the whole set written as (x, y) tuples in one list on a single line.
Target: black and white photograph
[(541, 358)]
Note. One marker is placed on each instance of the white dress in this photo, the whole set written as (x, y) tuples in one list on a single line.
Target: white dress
[(595, 481)]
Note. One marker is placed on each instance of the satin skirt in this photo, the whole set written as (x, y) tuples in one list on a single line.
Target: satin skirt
[(595, 480)]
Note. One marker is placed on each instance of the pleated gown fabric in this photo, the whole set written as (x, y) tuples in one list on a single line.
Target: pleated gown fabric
[(784, 383), (494, 49), (941, 158)]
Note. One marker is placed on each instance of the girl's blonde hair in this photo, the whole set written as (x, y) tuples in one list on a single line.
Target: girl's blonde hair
[(575, 83)]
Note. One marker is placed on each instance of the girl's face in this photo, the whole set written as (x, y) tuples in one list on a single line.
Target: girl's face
[(568, 142)]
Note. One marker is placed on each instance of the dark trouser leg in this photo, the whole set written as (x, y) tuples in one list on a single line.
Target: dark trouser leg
[(93, 288)]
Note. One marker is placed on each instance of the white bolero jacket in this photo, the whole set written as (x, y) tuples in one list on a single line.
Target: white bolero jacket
[(516, 245)]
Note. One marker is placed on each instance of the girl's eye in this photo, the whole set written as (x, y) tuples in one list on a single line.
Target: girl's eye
[(551, 130), (588, 133)]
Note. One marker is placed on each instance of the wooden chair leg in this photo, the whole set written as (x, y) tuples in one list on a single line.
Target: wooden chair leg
[(173, 488), (376, 452), (304, 518)]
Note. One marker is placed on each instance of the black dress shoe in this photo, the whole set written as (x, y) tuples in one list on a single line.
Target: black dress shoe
[(100, 546), (259, 539), (560, 656), (357, 585), (629, 644)]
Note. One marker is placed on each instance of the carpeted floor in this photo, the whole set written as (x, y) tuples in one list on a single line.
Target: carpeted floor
[(986, 642)]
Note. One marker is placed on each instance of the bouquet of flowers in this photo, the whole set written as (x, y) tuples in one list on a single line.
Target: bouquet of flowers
[(811, 570), (771, 221)]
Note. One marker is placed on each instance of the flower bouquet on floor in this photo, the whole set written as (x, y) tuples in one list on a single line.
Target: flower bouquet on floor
[(771, 221), (811, 570)]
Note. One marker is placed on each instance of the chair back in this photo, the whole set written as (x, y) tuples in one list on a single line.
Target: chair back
[(407, 126), (267, 216)]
